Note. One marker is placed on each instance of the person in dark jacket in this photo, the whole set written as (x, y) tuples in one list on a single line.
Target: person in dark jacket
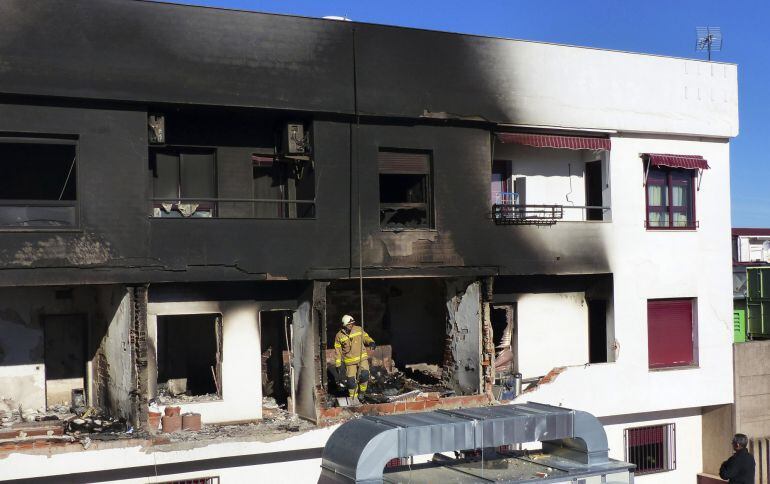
[(739, 469)]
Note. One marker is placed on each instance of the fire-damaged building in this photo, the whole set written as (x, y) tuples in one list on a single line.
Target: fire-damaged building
[(192, 198)]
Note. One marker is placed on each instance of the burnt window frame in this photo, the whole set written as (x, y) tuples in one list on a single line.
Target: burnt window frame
[(179, 150), (668, 174), (47, 139), (429, 191), (288, 208), (666, 453)]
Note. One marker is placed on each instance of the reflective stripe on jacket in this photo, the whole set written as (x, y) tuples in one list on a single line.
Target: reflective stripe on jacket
[(350, 348)]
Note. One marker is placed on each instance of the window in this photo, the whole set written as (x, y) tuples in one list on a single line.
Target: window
[(652, 449), (405, 190), (670, 198), (283, 188), (38, 184), (670, 333), (184, 182)]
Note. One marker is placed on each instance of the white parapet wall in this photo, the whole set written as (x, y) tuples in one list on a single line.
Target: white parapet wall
[(294, 459)]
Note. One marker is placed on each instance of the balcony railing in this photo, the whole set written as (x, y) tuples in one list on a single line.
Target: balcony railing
[(39, 214), (508, 211), (544, 214), (261, 208)]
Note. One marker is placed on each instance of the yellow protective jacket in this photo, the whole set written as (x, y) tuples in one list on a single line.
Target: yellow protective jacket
[(350, 347)]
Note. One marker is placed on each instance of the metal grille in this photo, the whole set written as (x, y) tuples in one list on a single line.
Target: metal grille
[(760, 449), (652, 449), (197, 480)]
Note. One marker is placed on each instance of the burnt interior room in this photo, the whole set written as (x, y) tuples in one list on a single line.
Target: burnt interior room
[(407, 315), (273, 336), (188, 353), (216, 163)]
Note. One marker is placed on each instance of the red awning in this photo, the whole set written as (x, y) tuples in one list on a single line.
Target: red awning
[(689, 162), (552, 141)]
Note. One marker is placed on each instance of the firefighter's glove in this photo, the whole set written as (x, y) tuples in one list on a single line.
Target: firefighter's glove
[(373, 345)]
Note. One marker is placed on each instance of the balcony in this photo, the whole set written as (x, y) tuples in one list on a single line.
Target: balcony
[(509, 212)]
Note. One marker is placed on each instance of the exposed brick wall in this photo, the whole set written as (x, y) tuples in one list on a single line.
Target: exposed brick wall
[(138, 341)]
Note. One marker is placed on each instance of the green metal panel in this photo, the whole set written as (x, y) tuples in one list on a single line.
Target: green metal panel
[(758, 302), (739, 325)]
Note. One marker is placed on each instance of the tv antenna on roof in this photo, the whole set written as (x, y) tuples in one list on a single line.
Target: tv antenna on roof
[(708, 39)]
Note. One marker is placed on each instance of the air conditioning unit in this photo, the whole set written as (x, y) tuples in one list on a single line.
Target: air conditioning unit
[(156, 129), (294, 140)]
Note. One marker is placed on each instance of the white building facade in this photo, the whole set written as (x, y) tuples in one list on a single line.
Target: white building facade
[(637, 332)]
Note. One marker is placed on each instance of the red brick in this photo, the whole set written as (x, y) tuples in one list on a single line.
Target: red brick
[(431, 404), (333, 412), (415, 406)]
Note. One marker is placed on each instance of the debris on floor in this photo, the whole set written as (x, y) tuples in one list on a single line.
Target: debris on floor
[(170, 395)]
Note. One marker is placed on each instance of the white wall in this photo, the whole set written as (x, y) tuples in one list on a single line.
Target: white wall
[(659, 264), (21, 465), (552, 331), (241, 361), (562, 86), (689, 455), (554, 177)]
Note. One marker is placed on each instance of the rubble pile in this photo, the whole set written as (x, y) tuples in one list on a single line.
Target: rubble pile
[(276, 422), (168, 396), (398, 386)]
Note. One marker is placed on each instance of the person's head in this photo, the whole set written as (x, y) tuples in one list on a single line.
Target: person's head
[(740, 441), (347, 322)]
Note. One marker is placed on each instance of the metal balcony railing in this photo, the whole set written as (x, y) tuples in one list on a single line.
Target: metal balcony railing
[(262, 208), (544, 214)]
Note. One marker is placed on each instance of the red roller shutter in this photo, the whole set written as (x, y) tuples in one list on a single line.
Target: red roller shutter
[(669, 332)]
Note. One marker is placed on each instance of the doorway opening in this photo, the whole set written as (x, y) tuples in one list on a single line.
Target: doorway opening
[(503, 319), (593, 183), (274, 340), (65, 339), (597, 330)]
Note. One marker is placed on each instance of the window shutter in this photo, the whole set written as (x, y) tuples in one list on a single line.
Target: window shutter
[(399, 163), (670, 335)]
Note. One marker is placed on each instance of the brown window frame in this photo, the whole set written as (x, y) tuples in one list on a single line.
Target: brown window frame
[(667, 178)]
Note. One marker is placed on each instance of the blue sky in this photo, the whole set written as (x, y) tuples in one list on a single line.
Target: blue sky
[(654, 26)]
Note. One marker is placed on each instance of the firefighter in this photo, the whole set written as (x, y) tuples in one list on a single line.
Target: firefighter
[(350, 348)]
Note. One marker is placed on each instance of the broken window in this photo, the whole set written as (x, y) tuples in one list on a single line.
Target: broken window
[(38, 184), (190, 355), (283, 188), (406, 193), (184, 182)]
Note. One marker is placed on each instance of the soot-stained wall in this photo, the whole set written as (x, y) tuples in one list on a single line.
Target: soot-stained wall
[(465, 239), (155, 52), (119, 240)]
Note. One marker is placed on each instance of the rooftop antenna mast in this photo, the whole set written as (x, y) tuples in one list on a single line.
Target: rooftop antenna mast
[(708, 39)]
